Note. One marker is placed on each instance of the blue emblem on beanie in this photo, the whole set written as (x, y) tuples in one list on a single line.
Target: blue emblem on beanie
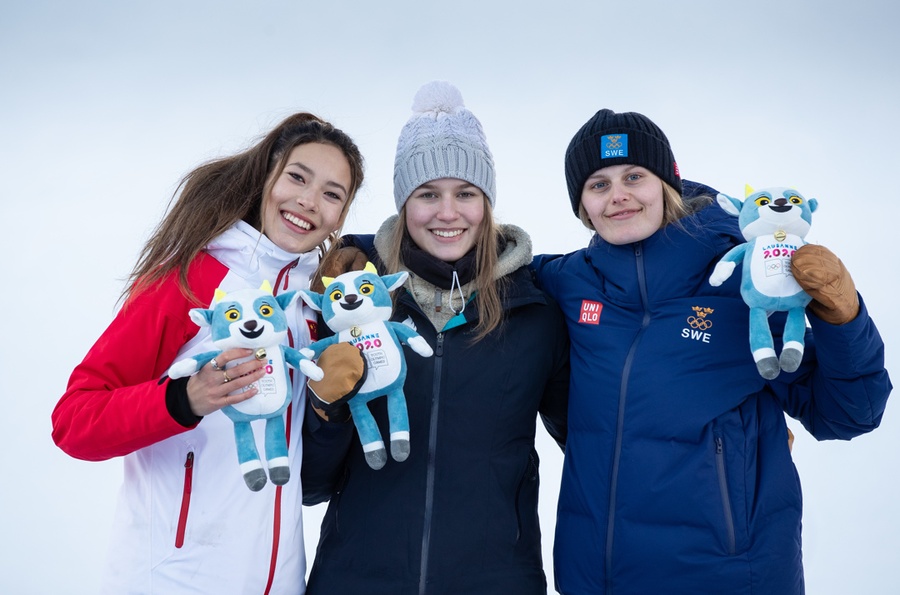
[(613, 145)]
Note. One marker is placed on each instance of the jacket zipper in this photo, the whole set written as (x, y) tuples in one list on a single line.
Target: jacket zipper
[(185, 499), (429, 473), (726, 499), (283, 278), (620, 417)]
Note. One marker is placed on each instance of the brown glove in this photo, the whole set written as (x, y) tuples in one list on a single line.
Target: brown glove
[(825, 278), (345, 371), (337, 262)]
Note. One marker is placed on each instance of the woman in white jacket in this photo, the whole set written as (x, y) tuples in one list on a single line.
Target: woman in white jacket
[(186, 521)]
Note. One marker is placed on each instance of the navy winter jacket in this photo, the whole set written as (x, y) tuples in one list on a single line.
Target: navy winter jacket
[(677, 476), (460, 514)]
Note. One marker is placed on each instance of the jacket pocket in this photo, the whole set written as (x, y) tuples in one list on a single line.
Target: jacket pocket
[(186, 490), (727, 511), (526, 501)]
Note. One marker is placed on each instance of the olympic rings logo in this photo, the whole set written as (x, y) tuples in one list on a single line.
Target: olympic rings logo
[(699, 323)]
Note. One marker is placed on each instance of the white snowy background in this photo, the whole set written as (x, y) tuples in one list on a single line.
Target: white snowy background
[(105, 105)]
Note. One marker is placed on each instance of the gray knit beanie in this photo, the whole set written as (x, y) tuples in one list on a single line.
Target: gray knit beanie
[(627, 138), (442, 139)]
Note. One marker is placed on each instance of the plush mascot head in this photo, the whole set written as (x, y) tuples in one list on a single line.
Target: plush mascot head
[(248, 318), (774, 221)]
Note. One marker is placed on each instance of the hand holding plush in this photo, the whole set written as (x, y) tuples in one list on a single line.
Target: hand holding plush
[(825, 278), (774, 222), (357, 307), (254, 319)]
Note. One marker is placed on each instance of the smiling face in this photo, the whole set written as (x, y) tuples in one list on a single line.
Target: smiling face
[(308, 198), (444, 216), (624, 203)]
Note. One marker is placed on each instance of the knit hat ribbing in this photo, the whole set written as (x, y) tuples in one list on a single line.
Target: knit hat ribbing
[(442, 139), (608, 139)]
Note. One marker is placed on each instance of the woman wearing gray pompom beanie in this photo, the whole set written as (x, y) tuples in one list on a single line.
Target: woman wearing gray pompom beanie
[(459, 515)]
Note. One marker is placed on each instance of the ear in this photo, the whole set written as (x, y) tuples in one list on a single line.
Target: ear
[(732, 206), (201, 316), (286, 299), (813, 205), (394, 281), (312, 299)]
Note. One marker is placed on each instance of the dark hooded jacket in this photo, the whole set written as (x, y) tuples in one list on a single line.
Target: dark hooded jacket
[(460, 514)]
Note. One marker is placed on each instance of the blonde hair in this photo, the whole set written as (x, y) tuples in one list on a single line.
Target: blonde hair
[(487, 289)]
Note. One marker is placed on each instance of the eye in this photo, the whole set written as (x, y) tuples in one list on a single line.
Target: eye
[(233, 314), (295, 176), (266, 310), (633, 177), (335, 295), (796, 200), (598, 185), (366, 288), (762, 201), (334, 196)]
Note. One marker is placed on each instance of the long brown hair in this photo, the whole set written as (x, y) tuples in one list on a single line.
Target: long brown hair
[(216, 195), (487, 288)]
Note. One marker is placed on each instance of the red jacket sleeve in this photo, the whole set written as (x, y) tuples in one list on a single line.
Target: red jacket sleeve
[(115, 402)]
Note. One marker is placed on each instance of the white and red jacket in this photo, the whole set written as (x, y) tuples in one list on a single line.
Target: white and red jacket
[(186, 521)]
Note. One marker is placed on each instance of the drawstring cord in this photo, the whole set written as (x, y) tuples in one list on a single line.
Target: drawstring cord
[(462, 297)]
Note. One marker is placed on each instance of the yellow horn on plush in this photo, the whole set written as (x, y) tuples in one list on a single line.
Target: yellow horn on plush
[(218, 295), (326, 281), (370, 268), (266, 286), (748, 190)]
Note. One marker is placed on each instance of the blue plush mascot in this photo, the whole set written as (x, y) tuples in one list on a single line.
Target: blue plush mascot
[(774, 222)]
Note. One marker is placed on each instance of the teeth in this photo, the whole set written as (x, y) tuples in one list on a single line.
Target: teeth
[(297, 221), (446, 234)]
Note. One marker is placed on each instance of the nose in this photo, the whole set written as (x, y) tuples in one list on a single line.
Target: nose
[(447, 209), (307, 199), (618, 192)]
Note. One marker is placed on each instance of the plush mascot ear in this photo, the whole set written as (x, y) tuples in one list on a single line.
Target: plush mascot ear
[(286, 299), (730, 205), (394, 281), (201, 316), (312, 299)]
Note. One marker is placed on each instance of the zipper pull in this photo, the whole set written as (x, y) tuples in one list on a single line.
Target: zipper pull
[(437, 299)]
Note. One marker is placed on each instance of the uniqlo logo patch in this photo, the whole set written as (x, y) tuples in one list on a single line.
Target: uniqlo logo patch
[(590, 312)]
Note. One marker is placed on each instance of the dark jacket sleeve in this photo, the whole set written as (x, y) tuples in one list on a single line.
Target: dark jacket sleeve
[(842, 388), (325, 447), (554, 405)]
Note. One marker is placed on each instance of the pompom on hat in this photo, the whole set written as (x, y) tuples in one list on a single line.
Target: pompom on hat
[(442, 139), (627, 138)]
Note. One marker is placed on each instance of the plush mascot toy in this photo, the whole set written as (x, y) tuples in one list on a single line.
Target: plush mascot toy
[(357, 307), (254, 319), (774, 222)]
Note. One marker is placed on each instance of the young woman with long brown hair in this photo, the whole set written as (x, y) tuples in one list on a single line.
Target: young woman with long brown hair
[(186, 520)]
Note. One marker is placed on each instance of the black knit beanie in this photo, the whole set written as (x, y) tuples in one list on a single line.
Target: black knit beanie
[(608, 139)]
